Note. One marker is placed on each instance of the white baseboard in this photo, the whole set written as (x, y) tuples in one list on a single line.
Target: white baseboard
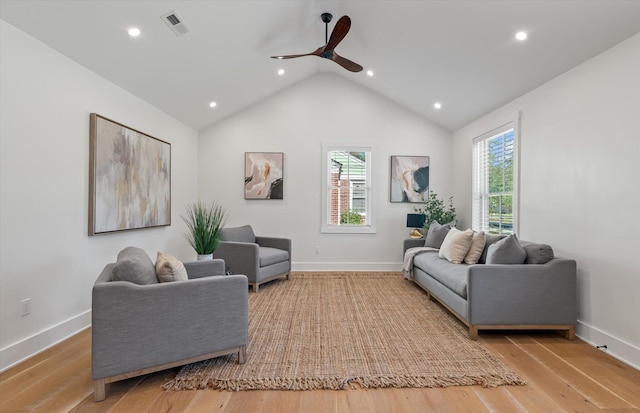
[(347, 266), (18, 352), (617, 348)]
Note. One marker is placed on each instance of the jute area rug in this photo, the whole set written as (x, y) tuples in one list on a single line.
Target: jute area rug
[(335, 330)]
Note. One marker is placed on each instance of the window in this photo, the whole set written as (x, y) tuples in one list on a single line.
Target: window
[(494, 181), (347, 186)]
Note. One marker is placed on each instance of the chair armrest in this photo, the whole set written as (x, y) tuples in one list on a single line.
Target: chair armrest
[(138, 326), (241, 257), (199, 269), (523, 294), (272, 242)]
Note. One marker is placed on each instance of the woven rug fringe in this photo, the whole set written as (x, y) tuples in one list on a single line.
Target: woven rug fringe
[(335, 383)]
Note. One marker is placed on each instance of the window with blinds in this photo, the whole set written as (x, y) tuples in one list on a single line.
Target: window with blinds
[(494, 181), (347, 190)]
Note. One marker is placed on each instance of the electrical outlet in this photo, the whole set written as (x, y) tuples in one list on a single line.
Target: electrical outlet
[(317, 249), (25, 307)]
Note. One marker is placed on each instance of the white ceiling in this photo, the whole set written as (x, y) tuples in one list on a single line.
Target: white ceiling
[(460, 53)]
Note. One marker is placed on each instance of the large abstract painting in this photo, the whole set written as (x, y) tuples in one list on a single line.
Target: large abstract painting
[(129, 178), (263, 175), (409, 178)]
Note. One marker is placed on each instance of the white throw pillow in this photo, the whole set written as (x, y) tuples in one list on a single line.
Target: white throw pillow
[(456, 245), (169, 268), (477, 246)]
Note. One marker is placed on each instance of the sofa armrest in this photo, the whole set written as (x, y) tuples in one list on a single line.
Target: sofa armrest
[(242, 257), (204, 268), (412, 243), (272, 242), (139, 326), (527, 294)]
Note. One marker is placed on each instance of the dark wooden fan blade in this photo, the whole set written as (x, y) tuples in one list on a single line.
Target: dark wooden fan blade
[(291, 56), (339, 32), (346, 63)]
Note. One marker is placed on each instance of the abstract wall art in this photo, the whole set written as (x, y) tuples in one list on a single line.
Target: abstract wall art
[(263, 177), (409, 178), (129, 178)]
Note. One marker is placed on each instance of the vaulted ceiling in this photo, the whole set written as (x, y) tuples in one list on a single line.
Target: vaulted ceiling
[(462, 54)]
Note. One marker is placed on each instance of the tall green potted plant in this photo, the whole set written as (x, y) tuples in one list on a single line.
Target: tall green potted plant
[(204, 227), (434, 209)]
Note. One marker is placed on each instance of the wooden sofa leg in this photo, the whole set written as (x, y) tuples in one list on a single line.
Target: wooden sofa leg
[(473, 333), (254, 287), (242, 355), (570, 334), (99, 390)]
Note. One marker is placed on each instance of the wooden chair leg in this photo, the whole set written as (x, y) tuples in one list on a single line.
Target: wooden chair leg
[(242, 355), (99, 390), (473, 333)]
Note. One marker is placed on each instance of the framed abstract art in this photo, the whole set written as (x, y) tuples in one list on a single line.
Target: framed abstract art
[(409, 178), (129, 178), (263, 175)]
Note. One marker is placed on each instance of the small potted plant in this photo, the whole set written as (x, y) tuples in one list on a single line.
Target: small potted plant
[(204, 223), (434, 210)]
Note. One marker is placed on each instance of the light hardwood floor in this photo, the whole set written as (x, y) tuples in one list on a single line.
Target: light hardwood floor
[(563, 376)]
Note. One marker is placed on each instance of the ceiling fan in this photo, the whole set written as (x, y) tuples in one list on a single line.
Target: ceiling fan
[(327, 51)]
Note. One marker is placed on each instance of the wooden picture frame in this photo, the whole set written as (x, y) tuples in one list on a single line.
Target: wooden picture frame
[(263, 175), (129, 178)]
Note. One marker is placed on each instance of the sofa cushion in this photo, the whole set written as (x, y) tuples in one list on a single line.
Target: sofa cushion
[(239, 234), (169, 268), (475, 251), (456, 245), (506, 251), (134, 265), (436, 234), (488, 241), (537, 253), (270, 256), (453, 276)]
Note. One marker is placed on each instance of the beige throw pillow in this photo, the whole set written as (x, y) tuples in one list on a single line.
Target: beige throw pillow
[(477, 246), (456, 245), (169, 268)]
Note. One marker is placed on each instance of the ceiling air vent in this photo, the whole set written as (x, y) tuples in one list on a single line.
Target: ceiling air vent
[(175, 23)]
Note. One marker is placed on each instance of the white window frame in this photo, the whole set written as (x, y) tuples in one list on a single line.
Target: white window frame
[(369, 226), (479, 197)]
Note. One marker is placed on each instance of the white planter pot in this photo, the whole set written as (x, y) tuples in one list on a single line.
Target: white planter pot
[(205, 257)]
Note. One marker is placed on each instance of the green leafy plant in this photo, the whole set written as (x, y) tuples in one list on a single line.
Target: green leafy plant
[(434, 209), (204, 223), (350, 217)]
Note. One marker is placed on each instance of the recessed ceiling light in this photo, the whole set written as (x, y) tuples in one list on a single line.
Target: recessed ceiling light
[(134, 32), (437, 105), (521, 35), (370, 73), (280, 72), (213, 104)]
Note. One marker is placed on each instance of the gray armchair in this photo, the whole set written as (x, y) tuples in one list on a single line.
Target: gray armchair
[(261, 259), (139, 328)]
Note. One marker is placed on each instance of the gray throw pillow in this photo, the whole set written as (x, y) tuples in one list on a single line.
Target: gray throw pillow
[(506, 251), (537, 253), (134, 265), (436, 234), (488, 241)]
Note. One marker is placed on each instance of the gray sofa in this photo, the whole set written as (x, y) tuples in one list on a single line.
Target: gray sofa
[(502, 296), (140, 325)]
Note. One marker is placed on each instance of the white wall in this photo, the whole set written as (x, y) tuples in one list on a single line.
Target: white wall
[(323, 108), (45, 253), (580, 185)]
